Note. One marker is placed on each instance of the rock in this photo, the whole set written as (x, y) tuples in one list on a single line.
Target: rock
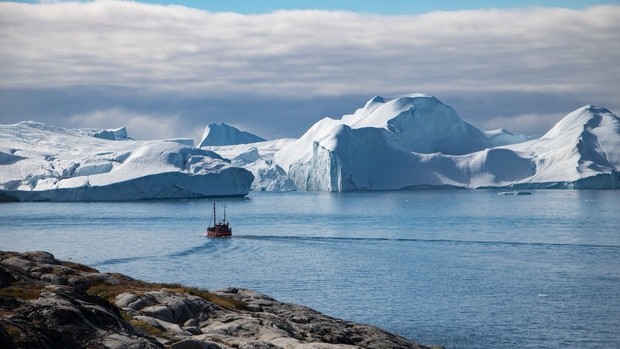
[(61, 302), (192, 329), (160, 312), (124, 299), (54, 279), (191, 323), (42, 257), (194, 344), (5, 278), (18, 264)]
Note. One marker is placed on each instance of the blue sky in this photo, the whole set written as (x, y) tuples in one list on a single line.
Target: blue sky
[(371, 6), (169, 71), (366, 6)]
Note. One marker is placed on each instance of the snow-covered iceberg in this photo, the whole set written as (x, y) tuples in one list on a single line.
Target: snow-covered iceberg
[(223, 134), (415, 141), (581, 151), (42, 162), (251, 152), (258, 158)]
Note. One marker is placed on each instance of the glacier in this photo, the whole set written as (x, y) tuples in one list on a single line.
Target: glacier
[(39, 162), (415, 141)]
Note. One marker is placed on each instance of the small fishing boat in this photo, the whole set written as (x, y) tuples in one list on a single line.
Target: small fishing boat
[(221, 229)]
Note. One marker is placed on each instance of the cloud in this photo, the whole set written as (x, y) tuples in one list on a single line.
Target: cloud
[(529, 124), (138, 126), (187, 54)]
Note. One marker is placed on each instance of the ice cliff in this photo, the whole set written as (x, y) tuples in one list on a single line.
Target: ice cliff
[(42, 162), (415, 141)]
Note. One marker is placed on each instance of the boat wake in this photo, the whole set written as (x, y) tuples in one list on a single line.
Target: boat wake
[(248, 244), (388, 239)]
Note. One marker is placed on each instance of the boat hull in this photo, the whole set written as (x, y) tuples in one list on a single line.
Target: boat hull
[(219, 231), (213, 234)]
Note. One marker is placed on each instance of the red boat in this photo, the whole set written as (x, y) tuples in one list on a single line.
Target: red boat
[(221, 229)]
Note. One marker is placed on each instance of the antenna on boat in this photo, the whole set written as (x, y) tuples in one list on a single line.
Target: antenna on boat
[(224, 212)]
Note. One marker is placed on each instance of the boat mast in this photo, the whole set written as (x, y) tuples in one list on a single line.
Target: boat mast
[(224, 212), (214, 220)]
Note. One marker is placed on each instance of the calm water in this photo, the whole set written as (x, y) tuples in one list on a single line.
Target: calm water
[(464, 269)]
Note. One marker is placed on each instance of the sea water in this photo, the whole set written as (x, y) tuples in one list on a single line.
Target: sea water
[(459, 268)]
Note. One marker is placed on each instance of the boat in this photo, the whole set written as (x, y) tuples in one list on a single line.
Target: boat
[(221, 229)]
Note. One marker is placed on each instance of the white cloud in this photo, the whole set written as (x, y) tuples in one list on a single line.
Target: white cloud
[(307, 52), (139, 126), (167, 54), (528, 124)]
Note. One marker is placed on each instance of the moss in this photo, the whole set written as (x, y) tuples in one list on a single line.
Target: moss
[(12, 331), (79, 267), (21, 292), (109, 292), (148, 329), (224, 302)]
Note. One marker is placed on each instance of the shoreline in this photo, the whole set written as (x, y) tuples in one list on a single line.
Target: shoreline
[(46, 302)]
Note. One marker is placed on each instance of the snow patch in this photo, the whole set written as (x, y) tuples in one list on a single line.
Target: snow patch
[(59, 164)]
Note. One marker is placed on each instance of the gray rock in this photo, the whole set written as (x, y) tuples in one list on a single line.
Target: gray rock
[(54, 279), (119, 341), (192, 329), (160, 312), (194, 344), (21, 265), (42, 257), (180, 310), (124, 299), (191, 322), (172, 329)]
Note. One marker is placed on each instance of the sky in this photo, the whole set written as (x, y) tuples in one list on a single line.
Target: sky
[(167, 69)]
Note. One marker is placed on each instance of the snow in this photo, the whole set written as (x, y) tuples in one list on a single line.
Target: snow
[(404, 142), (259, 159), (43, 162), (420, 123), (223, 134), (118, 134), (582, 150), (415, 141)]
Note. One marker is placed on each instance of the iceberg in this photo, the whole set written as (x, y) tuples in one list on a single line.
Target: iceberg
[(415, 141), (258, 158), (223, 134), (405, 142), (42, 162), (251, 152), (581, 151)]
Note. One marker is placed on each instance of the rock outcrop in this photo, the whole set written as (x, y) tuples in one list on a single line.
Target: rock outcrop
[(48, 303)]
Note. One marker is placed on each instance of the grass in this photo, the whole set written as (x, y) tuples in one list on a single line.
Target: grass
[(21, 292), (143, 327), (109, 292), (224, 302)]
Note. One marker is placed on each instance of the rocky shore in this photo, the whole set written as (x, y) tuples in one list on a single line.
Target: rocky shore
[(48, 303)]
